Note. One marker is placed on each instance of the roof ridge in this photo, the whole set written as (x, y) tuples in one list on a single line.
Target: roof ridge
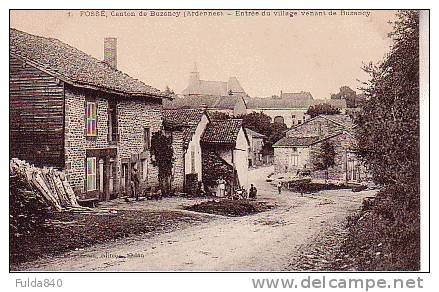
[(69, 60)]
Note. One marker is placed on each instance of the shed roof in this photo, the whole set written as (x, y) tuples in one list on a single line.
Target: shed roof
[(222, 132), (182, 117)]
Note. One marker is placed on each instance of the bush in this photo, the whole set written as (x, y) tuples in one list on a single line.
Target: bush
[(305, 186), (385, 235), (27, 213)]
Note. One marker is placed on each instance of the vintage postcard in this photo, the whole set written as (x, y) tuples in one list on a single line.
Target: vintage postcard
[(216, 140)]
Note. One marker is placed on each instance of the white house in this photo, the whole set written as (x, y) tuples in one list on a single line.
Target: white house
[(290, 108), (225, 152)]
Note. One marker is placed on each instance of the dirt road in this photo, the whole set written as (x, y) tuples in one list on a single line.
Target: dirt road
[(262, 242)]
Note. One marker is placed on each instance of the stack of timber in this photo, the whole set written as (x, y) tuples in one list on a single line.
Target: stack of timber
[(49, 183)]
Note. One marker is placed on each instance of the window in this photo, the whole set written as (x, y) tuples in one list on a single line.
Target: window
[(299, 121), (294, 160), (147, 138), (112, 122), (91, 119), (91, 173), (279, 119)]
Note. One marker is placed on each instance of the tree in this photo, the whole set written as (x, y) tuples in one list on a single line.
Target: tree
[(322, 109), (388, 127), (214, 115), (325, 158), (262, 124), (347, 94), (169, 91), (162, 156), (388, 141), (258, 122)]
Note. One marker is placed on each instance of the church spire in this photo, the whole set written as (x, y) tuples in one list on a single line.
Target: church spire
[(195, 68)]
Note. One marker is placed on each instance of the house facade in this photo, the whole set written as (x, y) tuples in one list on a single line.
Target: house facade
[(290, 108), (225, 147), (186, 126), (255, 151), (79, 114), (302, 145)]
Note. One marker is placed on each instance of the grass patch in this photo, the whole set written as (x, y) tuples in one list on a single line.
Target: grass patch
[(66, 231)]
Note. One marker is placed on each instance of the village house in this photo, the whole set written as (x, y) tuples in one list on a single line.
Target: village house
[(290, 108), (82, 115), (225, 153), (255, 150), (186, 126), (296, 152)]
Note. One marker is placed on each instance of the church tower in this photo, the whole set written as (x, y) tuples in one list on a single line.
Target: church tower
[(194, 76)]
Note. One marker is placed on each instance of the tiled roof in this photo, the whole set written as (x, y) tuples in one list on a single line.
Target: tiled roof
[(292, 100), (343, 120), (222, 132), (186, 119), (295, 141), (209, 87), (303, 95), (254, 134), (188, 133), (182, 117), (203, 101), (74, 66)]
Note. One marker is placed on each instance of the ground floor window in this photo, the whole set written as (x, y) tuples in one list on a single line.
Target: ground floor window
[(91, 173), (294, 160)]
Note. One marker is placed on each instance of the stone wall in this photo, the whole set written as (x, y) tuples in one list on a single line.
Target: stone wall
[(133, 116), (282, 159), (342, 144), (75, 138), (178, 172)]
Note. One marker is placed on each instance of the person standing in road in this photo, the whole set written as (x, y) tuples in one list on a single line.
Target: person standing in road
[(135, 183), (279, 187), (253, 191), (221, 187)]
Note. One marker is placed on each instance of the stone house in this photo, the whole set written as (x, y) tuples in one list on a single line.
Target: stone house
[(302, 144), (225, 153), (186, 126), (290, 108), (82, 115), (256, 144)]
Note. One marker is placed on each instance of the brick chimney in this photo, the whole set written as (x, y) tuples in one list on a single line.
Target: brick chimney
[(110, 51)]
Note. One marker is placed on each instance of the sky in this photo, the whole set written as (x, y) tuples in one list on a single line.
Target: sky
[(267, 54)]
